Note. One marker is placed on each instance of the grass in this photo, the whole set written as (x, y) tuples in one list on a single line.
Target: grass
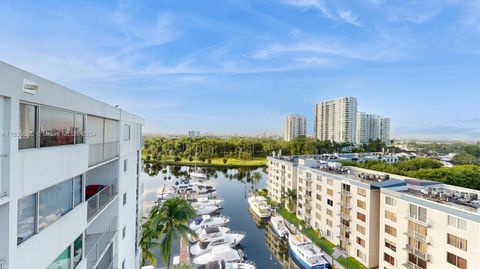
[(324, 244), (218, 162)]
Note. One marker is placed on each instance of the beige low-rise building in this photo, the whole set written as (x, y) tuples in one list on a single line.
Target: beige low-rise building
[(382, 220)]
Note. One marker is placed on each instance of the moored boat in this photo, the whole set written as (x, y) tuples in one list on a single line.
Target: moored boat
[(220, 253), (259, 206), (279, 227), (206, 221), (306, 253)]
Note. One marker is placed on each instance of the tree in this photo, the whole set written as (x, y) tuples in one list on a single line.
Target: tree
[(169, 222), (291, 198), (177, 159), (209, 161), (224, 160), (465, 158), (148, 241), (190, 159)]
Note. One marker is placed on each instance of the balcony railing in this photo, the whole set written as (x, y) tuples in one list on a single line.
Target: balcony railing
[(411, 265), (3, 184), (416, 235), (101, 199), (417, 252), (414, 218), (97, 244), (3, 263), (345, 216), (102, 152), (345, 193)]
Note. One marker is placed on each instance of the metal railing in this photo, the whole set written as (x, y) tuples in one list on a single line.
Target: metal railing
[(414, 217), (416, 235), (411, 265), (417, 252), (3, 184), (101, 152), (97, 202), (99, 243), (345, 193), (3, 263)]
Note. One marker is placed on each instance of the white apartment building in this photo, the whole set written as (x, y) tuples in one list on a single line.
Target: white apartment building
[(194, 134), (371, 126), (69, 178), (383, 220), (335, 120), (295, 126)]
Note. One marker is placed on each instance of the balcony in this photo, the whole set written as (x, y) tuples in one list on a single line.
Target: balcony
[(411, 265), (417, 236), (97, 244), (345, 216), (417, 252), (101, 199), (344, 239), (345, 205), (414, 218), (102, 152), (344, 228), (345, 193), (3, 183)]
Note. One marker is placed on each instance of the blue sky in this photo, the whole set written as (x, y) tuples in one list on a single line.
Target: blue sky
[(239, 67)]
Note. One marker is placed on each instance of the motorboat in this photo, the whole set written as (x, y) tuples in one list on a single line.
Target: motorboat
[(205, 201), (259, 206), (198, 174), (208, 232), (207, 221), (219, 253), (205, 209), (202, 188), (279, 227), (206, 244), (306, 253), (231, 265), (167, 194)]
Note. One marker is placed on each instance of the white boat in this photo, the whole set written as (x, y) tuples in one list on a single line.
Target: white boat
[(208, 232), (259, 206), (202, 188), (206, 244), (166, 195), (231, 265), (205, 201), (197, 173), (220, 253), (306, 253), (205, 209), (279, 227), (207, 221)]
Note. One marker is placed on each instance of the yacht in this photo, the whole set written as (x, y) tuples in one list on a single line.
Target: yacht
[(207, 221), (205, 201), (198, 174), (205, 209), (279, 227), (206, 244), (220, 253), (202, 188), (167, 194), (209, 232), (259, 206), (231, 265), (306, 253)]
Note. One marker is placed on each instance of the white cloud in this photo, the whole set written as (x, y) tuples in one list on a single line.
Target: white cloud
[(348, 17), (317, 4)]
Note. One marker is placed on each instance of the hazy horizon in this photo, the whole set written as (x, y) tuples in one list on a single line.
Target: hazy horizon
[(240, 67)]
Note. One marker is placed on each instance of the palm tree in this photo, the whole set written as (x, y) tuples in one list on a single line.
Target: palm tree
[(148, 241), (168, 222), (291, 197)]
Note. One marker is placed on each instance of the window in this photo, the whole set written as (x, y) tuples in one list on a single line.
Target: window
[(457, 222), (124, 232), (390, 201), (62, 261), (319, 178), (79, 129), (319, 197), (360, 255), (361, 204), (125, 162), (391, 216), (330, 202), (318, 206), (457, 242), (329, 222), (54, 202), (77, 190), (319, 187), (27, 128), (456, 260), (360, 241), (390, 230), (329, 181), (330, 192), (419, 213), (361, 216), (77, 251), (329, 212), (361, 229), (417, 228), (362, 192), (389, 259), (126, 132), (56, 127), (26, 219), (417, 261), (417, 244), (124, 198), (391, 245)]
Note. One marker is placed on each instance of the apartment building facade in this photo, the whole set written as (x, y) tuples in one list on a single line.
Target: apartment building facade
[(371, 126), (384, 220), (335, 120), (69, 181), (295, 126)]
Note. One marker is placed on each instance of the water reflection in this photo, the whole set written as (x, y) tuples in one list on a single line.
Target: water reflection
[(279, 249), (232, 185)]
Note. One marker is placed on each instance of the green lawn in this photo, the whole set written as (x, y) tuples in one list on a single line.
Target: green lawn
[(324, 244), (255, 162)]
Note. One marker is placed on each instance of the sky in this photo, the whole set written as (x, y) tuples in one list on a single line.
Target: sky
[(240, 67)]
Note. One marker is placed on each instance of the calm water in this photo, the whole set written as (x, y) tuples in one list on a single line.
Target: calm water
[(233, 185)]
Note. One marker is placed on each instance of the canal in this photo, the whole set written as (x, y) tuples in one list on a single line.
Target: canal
[(232, 185)]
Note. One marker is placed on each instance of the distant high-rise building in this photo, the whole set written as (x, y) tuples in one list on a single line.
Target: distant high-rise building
[(335, 120), (372, 127), (194, 134), (295, 126)]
